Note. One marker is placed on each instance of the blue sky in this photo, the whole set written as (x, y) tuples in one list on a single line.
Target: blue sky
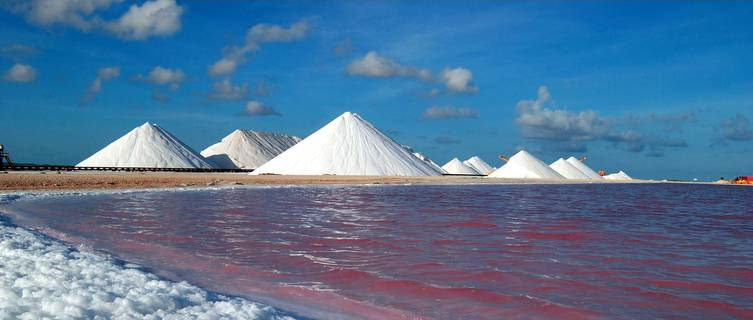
[(658, 89)]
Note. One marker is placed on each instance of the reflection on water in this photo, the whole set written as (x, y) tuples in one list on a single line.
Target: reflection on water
[(446, 252)]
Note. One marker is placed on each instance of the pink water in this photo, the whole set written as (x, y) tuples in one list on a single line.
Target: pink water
[(438, 252)]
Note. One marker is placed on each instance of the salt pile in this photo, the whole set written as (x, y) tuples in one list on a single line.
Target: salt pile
[(147, 146), (348, 145), (247, 149), (618, 176), (455, 166), (429, 161), (584, 168), (567, 170), (524, 165), (479, 165)]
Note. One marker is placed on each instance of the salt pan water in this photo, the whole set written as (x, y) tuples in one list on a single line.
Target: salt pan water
[(604, 251)]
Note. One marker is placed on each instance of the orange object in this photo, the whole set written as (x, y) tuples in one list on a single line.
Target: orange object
[(743, 180)]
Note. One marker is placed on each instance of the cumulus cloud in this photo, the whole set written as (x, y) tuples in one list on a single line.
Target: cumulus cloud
[(152, 18), (449, 112), (17, 52), (737, 128), (256, 108), (20, 73), (164, 76), (225, 90), (103, 75), (458, 80), (256, 36), (374, 65), (539, 121)]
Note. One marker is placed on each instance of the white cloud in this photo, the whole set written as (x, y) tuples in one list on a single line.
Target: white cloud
[(75, 13), (262, 33), (225, 90), (225, 66), (256, 108), (17, 51), (153, 18), (449, 112), (737, 128), (374, 65), (541, 122), (20, 73), (103, 75), (458, 80), (255, 37), (164, 76)]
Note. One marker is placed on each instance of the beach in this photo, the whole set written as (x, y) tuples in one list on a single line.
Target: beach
[(52, 180)]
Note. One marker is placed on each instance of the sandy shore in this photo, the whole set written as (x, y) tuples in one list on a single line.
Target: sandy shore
[(122, 180)]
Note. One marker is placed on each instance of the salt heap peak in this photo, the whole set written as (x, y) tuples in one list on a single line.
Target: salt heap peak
[(567, 170), (524, 165), (618, 176), (247, 149), (455, 166), (147, 146), (479, 165), (348, 145), (584, 168)]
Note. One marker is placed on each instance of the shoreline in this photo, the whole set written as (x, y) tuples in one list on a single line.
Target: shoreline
[(53, 180)]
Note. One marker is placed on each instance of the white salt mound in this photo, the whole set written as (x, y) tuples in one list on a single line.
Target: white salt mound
[(479, 165), (429, 161), (567, 170), (524, 165), (584, 168), (42, 278), (147, 146), (247, 149), (618, 176), (349, 145), (455, 166)]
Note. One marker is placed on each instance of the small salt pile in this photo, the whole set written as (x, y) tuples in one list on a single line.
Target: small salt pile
[(455, 166), (147, 146), (524, 165), (584, 168), (247, 149), (348, 145), (567, 170), (618, 176), (479, 165)]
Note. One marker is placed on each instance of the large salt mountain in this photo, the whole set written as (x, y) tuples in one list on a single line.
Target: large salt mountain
[(524, 165), (455, 166), (479, 165), (349, 145), (567, 170), (246, 149), (147, 146), (584, 168)]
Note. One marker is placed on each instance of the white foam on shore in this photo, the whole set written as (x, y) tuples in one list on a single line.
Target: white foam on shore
[(43, 278)]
